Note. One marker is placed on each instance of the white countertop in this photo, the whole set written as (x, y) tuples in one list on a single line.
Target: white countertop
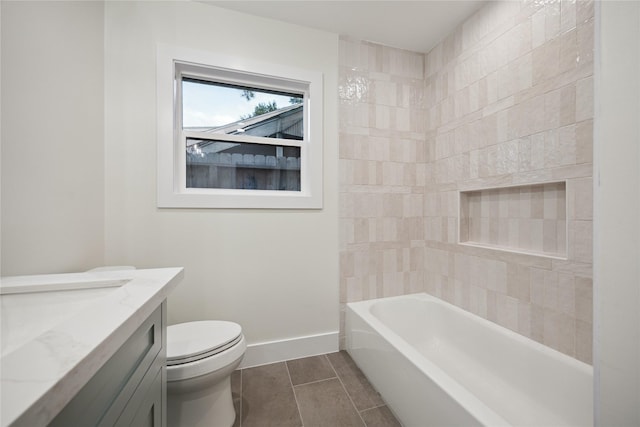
[(53, 342)]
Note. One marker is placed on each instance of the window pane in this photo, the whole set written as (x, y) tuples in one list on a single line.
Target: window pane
[(222, 164), (230, 109)]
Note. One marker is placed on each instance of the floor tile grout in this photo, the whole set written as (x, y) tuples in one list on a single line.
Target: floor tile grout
[(374, 417), (293, 390), (346, 391), (374, 407), (314, 382)]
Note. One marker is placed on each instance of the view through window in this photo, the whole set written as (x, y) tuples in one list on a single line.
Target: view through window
[(237, 133), (213, 109)]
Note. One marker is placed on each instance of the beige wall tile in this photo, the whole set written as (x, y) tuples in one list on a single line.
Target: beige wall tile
[(505, 99), (524, 318), (546, 61), (552, 103), (537, 287), (585, 40), (537, 323), (559, 331), (581, 198), (567, 15), (550, 236), (538, 28), (552, 19), (584, 99), (584, 11), (568, 50), (584, 299), (581, 240), (567, 105), (566, 294), (584, 142), (507, 311), (584, 341)]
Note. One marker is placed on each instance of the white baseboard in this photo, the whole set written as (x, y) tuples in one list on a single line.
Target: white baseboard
[(291, 348)]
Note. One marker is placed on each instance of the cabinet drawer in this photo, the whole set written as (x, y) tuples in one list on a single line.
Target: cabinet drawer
[(145, 408), (103, 398)]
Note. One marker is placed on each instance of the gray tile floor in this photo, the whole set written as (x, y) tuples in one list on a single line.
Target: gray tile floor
[(327, 390)]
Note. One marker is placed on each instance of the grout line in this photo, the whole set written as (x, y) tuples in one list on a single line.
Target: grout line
[(331, 364), (320, 380), (241, 399), (315, 382), (374, 407), (346, 392), (293, 390)]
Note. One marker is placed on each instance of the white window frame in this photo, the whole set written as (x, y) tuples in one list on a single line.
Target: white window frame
[(174, 62)]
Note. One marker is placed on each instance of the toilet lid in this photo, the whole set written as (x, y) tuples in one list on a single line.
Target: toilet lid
[(191, 341)]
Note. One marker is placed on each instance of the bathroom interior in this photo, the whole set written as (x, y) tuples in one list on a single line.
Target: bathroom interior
[(485, 153)]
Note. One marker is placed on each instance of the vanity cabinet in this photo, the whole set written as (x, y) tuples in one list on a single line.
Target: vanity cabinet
[(130, 388)]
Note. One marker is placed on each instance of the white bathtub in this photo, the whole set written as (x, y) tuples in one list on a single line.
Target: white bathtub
[(438, 365)]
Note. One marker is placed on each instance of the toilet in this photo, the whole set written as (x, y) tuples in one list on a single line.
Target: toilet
[(201, 356)]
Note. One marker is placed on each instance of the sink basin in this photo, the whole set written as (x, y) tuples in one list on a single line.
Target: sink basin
[(25, 316), (63, 282), (31, 305)]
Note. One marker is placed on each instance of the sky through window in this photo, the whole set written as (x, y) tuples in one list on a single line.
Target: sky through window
[(210, 105)]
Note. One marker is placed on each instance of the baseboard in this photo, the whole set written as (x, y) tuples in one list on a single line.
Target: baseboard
[(291, 348)]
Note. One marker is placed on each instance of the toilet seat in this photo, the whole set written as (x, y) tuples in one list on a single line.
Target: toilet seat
[(191, 341), (198, 348)]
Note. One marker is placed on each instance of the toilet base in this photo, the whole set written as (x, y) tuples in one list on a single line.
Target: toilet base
[(197, 402)]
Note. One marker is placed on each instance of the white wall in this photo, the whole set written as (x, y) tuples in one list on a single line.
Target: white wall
[(617, 216), (52, 137), (275, 272)]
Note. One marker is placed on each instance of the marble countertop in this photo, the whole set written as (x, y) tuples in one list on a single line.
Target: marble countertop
[(53, 341)]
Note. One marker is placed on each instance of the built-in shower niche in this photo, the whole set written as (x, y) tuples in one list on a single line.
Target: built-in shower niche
[(529, 219)]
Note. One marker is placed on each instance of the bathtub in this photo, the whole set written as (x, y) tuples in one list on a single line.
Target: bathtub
[(438, 365)]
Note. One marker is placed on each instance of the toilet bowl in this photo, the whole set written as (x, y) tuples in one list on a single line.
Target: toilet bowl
[(201, 356)]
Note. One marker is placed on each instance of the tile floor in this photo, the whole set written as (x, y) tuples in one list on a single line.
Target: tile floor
[(327, 390)]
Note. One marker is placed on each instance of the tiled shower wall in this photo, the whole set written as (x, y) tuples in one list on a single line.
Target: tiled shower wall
[(382, 155), (506, 99), (529, 218)]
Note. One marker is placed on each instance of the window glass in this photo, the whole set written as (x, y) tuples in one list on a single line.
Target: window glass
[(241, 110), (237, 133), (247, 166)]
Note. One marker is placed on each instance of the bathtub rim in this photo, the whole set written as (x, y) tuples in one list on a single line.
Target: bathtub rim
[(364, 306), (449, 385), (452, 388)]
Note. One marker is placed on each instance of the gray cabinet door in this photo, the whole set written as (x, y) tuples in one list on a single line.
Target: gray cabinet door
[(128, 373)]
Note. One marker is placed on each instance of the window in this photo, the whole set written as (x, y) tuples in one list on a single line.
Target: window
[(237, 136)]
